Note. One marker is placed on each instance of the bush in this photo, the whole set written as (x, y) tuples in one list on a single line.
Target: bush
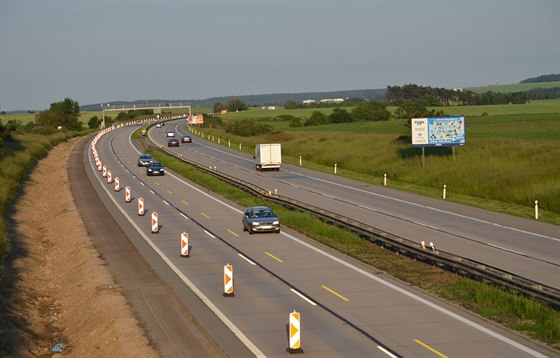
[(248, 128)]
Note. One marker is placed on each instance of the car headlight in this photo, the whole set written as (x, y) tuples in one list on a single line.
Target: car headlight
[(255, 223), (276, 222)]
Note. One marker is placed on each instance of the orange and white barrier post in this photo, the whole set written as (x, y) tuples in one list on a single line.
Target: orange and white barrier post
[(184, 244), (99, 166), (228, 281), (140, 206), (155, 225), (117, 184), (109, 177), (295, 333), (104, 171), (127, 197)]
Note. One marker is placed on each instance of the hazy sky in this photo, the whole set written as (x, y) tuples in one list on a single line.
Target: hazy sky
[(99, 51)]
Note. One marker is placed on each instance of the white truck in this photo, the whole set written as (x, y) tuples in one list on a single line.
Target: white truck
[(268, 156)]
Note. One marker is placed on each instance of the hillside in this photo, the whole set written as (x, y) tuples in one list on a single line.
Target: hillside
[(518, 87), (253, 100)]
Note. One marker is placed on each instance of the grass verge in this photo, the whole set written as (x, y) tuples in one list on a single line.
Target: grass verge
[(522, 314)]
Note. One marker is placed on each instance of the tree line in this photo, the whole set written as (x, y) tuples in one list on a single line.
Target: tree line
[(429, 96)]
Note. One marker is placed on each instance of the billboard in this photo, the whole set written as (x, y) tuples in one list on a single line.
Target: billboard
[(438, 131), (197, 119)]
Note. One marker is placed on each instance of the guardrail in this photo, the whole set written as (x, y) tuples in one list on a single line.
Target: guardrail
[(448, 261)]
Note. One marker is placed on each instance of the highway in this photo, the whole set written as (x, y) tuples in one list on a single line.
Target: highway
[(527, 248), (347, 308)]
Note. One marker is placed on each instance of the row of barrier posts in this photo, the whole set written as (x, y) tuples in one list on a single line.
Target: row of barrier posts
[(294, 318)]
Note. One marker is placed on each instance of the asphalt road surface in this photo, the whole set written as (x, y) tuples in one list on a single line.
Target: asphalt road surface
[(347, 309)]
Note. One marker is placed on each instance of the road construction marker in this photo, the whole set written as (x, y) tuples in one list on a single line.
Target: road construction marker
[(155, 226), (99, 166), (127, 197), (109, 177), (104, 171), (228, 281), (140, 206), (184, 244), (295, 333), (117, 184)]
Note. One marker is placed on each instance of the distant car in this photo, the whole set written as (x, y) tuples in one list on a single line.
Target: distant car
[(170, 134), (159, 124), (173, 142), (260, 219), (144, 160), (186, 139), (155, 168)]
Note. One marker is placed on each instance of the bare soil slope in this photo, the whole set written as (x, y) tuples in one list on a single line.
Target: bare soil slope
[(63, 293)]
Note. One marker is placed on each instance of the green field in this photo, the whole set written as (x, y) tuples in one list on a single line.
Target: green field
[(509, 160), (518, 87)]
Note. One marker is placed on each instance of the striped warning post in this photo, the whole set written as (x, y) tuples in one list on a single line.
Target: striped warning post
[(117, 184), (140, 206), (184, 244), (155, 226), (228, 281), (99, 166), (127, 196), (109, 177), (104, 171), (295, 333)]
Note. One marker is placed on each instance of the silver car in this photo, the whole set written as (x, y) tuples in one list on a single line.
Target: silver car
[(260, 219), (144, 160)]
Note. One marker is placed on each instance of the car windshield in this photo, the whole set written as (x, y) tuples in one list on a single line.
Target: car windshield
[(145, 157), (264, 213)]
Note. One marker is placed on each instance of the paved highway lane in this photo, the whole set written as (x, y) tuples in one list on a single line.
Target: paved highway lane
[(526, 247), (347, 309)]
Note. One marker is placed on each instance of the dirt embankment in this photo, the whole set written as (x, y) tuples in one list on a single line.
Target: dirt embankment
[(62, 292)]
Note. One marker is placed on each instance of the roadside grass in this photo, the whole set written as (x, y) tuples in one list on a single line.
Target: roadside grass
[(525, 315), (508, 162)]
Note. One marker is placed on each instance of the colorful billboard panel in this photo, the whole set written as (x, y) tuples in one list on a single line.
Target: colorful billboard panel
[(438, 131)]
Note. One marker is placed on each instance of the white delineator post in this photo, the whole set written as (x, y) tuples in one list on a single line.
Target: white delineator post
[(140, 206), (228, 281), (184, 244), (155, 225), (295, 333), (536, 209), (384, 179), (444, 191)]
